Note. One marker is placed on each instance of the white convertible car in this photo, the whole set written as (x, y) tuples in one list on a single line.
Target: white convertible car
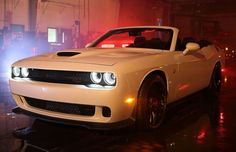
[(127, 76)]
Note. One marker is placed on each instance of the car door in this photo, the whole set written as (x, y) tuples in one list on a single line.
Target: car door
[(190, 74)]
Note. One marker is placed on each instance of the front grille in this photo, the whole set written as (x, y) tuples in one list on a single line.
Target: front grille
[(55, 76), (67, 108)]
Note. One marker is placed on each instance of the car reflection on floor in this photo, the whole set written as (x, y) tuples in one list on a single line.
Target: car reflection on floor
[(44, 136), (198, 123)]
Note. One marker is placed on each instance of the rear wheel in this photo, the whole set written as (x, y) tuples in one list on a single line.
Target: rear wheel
[(151, 105), (215, 83)]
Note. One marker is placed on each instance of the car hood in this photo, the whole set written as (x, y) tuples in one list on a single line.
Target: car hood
[(96, 56)]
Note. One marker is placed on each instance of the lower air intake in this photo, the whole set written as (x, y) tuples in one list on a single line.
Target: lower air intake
[(67, 108)]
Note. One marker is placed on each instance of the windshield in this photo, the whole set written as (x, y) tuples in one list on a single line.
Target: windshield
[(153, 38)]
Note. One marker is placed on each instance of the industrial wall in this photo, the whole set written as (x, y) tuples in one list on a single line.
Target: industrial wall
[(14, 12), (76, 22), (92, 14), (141, 12), (206, 20)]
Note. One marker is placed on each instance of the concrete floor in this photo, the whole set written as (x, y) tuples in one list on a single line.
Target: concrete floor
[(194, 124)]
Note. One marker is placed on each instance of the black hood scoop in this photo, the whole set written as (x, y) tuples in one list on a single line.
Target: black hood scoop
[(67, 54)]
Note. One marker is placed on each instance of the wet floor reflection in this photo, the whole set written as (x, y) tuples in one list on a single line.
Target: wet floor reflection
[(198, 123), (187, 126)]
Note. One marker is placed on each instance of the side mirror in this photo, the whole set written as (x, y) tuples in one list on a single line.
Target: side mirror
[(191, 47), (88, 45)]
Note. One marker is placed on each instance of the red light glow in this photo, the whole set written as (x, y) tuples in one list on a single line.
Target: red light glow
[(183, 87), (223, 70), (201, 136), (221, 118)]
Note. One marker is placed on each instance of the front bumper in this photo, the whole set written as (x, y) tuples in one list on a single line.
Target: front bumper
[(75, 94), (89, 125)]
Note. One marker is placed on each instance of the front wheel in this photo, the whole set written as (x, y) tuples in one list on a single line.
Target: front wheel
[(151, 104)]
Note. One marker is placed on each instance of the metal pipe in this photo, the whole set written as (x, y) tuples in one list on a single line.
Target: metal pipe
[(5, 13), (88, 17)]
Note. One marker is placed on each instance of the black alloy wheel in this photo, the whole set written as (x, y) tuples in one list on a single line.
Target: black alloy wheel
[(151, 105), (215, 83)]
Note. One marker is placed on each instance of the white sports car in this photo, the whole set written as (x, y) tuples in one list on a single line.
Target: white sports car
[(126, 76)]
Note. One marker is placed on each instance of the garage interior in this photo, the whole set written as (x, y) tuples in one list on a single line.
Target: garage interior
[(34, 27)]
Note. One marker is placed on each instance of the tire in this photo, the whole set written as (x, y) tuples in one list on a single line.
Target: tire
[(215, 82), (151, 105)]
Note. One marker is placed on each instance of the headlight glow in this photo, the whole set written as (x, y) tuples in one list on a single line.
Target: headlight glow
[(25, 72), (96, 77), (109, 78), (16, 71)]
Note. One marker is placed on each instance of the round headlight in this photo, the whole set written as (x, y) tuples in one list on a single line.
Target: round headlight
[(96, 77), (16, 71), (25, 72), (109, 78)]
